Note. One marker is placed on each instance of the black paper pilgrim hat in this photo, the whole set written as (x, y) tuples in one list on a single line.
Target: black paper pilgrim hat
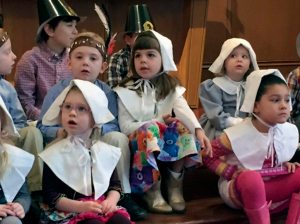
[(50, 9), (138, 19)]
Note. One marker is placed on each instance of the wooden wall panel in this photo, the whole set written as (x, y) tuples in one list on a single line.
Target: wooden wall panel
[(270, 26)]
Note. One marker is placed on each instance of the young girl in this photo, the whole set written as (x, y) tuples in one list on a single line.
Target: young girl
[(80, 183), (15, 164), (146, 102), (252, 157), (222, 96), (87, 60)]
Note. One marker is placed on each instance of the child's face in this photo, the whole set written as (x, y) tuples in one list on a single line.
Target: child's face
[(76, 116), (64, 34), (147, 63), (7, 58), (130, 38), (274, 106), (86, 63), (237, 63)]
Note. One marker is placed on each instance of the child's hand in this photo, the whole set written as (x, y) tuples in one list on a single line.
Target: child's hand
[(18, 209), (91, 206), (291, 166), (168, 119), (108, 206), (6, 210), (204, 141)]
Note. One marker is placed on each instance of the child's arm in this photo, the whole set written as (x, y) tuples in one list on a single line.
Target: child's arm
[(22, 202), (221, 147), (211, 97), (113, 194), (127, 123)]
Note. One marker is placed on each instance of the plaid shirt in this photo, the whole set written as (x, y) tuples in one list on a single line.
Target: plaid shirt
[(37, 71), (293, 81), (118, 66)]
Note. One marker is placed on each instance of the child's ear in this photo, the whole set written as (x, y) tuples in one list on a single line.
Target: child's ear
[(49, 31), (256, 108), (69, 63), (104, 66)]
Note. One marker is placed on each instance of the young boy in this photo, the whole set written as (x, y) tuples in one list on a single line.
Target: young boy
[(44, 65), (138, 20), (87, 61), (30, 138)]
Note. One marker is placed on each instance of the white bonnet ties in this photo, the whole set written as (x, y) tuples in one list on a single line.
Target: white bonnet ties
[(94, 96), (144, 85), (228, 46)]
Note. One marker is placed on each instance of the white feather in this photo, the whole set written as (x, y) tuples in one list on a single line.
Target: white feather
[(102, 18)]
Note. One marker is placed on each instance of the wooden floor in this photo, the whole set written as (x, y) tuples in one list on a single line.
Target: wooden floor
[(204, 204)]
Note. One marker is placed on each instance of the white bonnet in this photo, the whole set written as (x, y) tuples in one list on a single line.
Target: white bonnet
[(166, 50), (252, 85), (94, 96), (8, 123), (228, 46)]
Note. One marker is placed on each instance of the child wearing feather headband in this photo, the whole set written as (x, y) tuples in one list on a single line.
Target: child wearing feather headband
[(80, 182), (146, 102), (15, 164)]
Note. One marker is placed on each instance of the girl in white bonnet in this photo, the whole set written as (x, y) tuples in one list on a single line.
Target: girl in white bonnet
[(15, 164), (80, 182), (252, 157), (146, 102), (222, 96)]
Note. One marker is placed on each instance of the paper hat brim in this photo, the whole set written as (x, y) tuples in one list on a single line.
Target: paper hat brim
[(166, 49), (94, 96), (8, 123), (228, 46), (252, 84)]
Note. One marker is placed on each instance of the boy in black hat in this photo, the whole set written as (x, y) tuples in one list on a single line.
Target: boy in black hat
[(44, 65), (138, 20)]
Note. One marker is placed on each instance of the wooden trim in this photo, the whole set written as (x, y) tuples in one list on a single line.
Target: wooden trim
[(190, 64)]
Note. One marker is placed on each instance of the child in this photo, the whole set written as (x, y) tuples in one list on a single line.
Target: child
[(30, 138), (252, 157), (222, 96), (146, 102), (46, 64), (87, 60), (138, 20), (92, 189), (15, 164)]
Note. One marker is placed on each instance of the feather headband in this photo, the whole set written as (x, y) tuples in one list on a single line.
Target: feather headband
[(90, 42)]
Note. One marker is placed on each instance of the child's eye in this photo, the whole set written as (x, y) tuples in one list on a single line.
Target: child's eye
[(232, 55), (78, 57), (67, 106), (137, 55), (245, 56), (82, 109), (151, 55)]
